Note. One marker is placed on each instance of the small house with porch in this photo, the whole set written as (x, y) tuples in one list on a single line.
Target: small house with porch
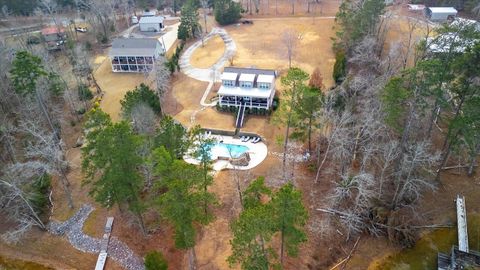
[(135, 54), (247, 87), (54, 37)]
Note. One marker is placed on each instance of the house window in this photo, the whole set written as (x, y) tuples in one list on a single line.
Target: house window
[(264, 85), (228, 83), (246, 84)]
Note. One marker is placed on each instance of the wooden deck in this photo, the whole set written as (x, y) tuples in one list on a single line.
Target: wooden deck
[(462, 224), (102, 257)]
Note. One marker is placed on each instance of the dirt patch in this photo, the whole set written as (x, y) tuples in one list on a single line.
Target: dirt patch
[(206, 56)]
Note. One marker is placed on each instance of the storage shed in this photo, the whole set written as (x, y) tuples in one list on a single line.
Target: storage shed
[(440, 14), (151, 24)]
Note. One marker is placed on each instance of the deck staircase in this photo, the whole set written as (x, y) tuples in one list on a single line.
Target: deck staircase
[(240, 117)]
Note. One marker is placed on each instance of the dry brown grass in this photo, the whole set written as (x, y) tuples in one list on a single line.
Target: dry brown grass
[(206, 56), (284, 8), (260, 45), (114, 85)]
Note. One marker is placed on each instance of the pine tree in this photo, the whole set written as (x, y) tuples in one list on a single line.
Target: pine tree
[(26, 70), (294, 82), (201, 150), (110, 163), (189, 25), (252, 232), (182, 203), (289, 217), (227, 11), (309, 111), (252, 196), (173, 136)]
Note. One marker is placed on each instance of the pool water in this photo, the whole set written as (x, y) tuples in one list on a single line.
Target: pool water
[(228, 150)]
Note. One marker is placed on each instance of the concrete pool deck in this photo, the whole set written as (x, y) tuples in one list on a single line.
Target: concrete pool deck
[(257, 151)]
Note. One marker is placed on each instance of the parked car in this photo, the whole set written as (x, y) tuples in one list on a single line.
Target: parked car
[(134, 19), (81, 29), (33, 40)]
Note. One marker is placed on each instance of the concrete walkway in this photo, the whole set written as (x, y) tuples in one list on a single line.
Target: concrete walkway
[(208, 74)]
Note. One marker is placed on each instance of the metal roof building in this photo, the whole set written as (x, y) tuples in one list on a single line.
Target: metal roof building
[(440, 13), (151, 24)]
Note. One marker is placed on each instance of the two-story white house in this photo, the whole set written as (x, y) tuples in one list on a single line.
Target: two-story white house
[(251, 87)]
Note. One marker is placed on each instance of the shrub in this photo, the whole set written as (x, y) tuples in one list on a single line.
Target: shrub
[(102, 38), (84, 93), (312, 167), (88, 46), (227, 11), (155, 261), (39, 195), (275, 105), (81, 111), (340, 67), (142, 94)]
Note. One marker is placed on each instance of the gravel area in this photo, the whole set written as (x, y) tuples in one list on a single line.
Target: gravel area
[(117, 250)]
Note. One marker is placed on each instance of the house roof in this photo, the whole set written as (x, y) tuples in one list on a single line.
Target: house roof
[(265, 78), (52, 30), (229, 76), (153, 19), (246, 77), (449, 10), (134, 47), (256, 71)]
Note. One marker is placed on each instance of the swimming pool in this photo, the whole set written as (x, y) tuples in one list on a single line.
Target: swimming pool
[(228, 150), (225, 147)]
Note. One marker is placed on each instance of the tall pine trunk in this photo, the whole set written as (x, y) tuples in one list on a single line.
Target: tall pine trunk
[(310, 120), (447, 143), (473, 160), (285, 144)]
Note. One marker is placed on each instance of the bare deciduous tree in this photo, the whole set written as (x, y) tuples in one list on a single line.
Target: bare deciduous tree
[(15, 201), (143, 119), (290, 38), (45, 146), (415, 166), (162, 77)]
